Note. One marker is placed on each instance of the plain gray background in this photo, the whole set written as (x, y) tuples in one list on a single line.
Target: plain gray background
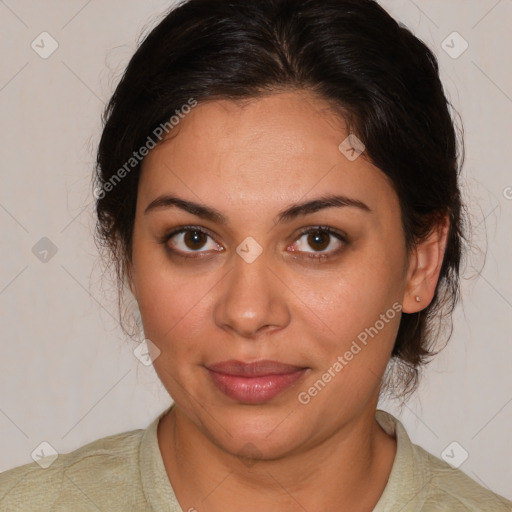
[(68, 375)]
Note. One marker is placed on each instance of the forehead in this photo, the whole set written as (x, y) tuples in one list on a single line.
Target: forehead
[(272, 149)]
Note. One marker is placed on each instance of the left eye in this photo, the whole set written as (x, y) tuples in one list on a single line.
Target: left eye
[(320, 240)]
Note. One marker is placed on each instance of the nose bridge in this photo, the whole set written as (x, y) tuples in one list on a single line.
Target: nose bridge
[(251, 298)]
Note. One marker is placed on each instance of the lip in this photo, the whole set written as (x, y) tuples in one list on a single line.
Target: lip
[(256, 382)]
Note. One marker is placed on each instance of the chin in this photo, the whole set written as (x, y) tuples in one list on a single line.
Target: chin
[(256, 435), (252, 448)]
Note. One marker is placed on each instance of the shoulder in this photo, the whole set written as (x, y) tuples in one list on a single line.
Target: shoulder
[(451, 489), (77, 479), (419, 481)]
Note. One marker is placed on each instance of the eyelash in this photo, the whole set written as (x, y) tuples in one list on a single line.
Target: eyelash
[(319, 256)]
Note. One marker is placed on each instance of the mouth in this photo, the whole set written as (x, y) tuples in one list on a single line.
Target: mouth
[(256, 382)]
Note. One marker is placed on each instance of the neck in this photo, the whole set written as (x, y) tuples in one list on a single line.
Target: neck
[(348, 470)]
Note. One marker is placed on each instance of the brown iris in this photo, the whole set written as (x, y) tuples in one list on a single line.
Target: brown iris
[(318, 240), (194, 239)]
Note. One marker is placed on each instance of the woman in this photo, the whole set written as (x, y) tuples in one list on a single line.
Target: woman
[(277, 184)]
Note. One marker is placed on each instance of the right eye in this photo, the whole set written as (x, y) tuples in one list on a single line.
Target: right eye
[(188, 240)]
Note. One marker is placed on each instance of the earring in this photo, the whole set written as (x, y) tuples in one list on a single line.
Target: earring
[(418, 299)]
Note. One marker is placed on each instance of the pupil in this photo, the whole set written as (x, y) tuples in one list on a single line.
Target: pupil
[(194, 239), (319, 239)]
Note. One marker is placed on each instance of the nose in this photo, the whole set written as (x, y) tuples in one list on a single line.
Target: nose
[(252, 300)]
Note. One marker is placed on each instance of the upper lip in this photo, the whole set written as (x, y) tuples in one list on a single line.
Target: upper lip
[(254, 369)]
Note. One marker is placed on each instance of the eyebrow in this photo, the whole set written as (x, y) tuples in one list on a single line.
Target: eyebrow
[(286, 215)]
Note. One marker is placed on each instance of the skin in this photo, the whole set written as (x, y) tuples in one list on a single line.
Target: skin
[(250, 161)]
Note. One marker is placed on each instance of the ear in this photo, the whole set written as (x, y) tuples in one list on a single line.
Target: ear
[(130, 272), (425, 262)]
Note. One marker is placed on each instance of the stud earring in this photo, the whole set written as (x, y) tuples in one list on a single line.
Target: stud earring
[(418, 299)]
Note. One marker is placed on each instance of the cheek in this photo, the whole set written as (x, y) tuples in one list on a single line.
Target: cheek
[(172, 315), (175, 306), (165, 297), (359, 316), (171, 306), (353, 296)]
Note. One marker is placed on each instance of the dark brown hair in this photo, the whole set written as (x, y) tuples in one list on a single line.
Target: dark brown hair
[(381, 78)]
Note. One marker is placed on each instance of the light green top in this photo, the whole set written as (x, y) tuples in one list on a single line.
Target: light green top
[(125, 472)]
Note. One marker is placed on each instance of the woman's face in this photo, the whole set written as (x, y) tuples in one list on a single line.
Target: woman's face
[(254, 287)]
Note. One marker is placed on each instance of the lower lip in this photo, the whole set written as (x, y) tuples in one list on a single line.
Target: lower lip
[(255, 390)]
